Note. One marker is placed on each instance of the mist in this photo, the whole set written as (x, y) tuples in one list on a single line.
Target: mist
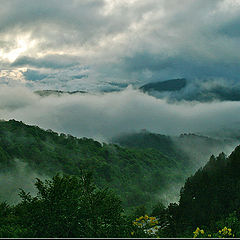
[(20, 177), (102, 116)]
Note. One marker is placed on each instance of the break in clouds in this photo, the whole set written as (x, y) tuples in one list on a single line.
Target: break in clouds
[(102, 116)]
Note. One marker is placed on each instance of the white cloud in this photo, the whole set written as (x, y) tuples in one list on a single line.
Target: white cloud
[(104, 115)]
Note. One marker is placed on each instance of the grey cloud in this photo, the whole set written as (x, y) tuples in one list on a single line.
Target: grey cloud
[(60, 23), (26, 13), (13, 98), (49, 61), (231, 28), (182, 65), (167, 38), (186, 42)]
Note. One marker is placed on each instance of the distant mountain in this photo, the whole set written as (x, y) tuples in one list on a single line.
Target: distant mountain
[(45, 93), (192, 149), (202, 91), (169, 85), (221, 93), (145, 139)]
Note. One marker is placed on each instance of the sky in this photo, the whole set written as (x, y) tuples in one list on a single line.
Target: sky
[(106, 44)]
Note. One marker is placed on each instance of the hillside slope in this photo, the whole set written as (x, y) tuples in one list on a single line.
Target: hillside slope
[(139, 176), (192, 149)]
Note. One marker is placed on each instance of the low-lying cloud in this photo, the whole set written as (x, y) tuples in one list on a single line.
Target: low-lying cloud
[(102, 116)]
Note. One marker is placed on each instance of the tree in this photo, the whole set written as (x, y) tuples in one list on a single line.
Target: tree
[(70, 206)]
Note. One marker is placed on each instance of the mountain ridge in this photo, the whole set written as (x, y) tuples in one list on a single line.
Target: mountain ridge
[(167, 85)]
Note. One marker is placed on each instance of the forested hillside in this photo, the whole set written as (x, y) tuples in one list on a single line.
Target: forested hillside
[(193, 149), (139, 176), (212, 194)]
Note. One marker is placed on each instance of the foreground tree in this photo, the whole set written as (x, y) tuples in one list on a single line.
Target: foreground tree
[(70, 206)]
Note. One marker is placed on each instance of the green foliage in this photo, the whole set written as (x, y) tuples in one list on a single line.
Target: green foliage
[(158, 209), (190, 150), (210, 196), (72, 204), (137, 211), (9, 227), (136, 175), (66, 206)]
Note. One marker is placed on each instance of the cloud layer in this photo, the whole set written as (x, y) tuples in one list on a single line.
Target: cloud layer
[(103, 116), (133, 41)]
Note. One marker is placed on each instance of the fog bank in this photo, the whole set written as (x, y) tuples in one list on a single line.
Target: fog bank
[(102, 116)]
